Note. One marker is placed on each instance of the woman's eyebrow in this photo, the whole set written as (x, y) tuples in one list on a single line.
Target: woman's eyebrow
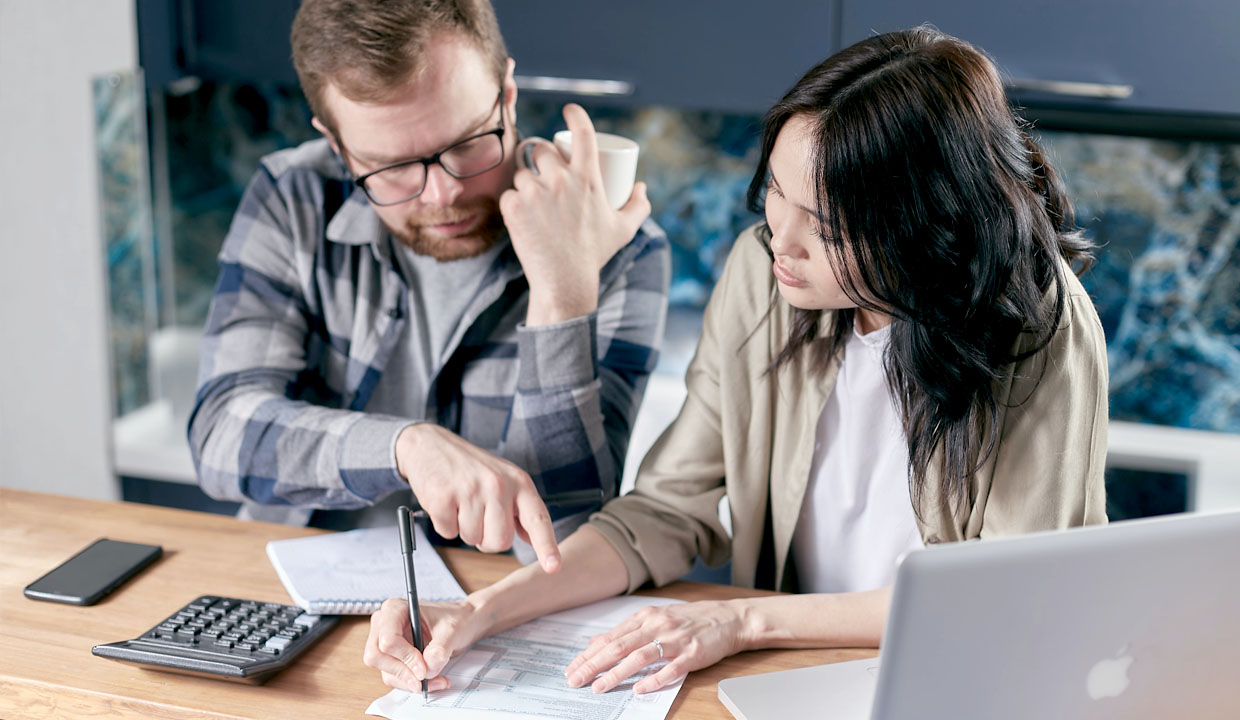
[(814, 213)]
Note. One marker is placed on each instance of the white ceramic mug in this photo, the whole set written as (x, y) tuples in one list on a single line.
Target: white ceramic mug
[(617, 160)]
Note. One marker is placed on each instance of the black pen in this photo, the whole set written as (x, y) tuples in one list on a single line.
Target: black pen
[(593, 496), (404, 516)]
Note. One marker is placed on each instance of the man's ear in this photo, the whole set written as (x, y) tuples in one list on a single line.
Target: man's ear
[(331, 137), (510, 92)]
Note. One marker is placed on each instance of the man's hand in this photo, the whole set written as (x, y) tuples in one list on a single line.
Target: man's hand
[(561, 226), (447, 627), (467, 491)]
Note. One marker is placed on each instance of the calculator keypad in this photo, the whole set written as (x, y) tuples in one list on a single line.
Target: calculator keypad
[(224, 638), (241, 628)]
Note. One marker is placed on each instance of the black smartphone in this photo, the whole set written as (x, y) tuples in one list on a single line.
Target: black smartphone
[(94, 572)]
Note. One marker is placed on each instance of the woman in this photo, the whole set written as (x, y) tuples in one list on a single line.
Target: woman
[(900, 355)]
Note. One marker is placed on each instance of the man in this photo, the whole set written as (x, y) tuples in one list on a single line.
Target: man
[(400, 307)]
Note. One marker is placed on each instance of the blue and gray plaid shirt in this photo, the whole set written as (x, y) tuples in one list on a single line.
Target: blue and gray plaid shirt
[(306, 317)]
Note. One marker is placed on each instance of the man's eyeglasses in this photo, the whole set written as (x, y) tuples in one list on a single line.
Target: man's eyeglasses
[(466, 158)]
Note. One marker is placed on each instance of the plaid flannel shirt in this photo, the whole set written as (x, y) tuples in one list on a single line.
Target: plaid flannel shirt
[(306, 315)]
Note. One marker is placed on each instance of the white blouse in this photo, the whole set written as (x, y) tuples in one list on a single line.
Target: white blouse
[(856, 519)]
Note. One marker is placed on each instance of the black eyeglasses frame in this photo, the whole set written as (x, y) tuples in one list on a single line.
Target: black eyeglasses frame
[(435, 159)]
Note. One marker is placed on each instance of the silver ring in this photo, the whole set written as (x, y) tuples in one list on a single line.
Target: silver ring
[(527, 157), (658, 646)]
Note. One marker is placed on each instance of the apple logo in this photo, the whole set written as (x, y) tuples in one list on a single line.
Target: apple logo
[(1109, 678)]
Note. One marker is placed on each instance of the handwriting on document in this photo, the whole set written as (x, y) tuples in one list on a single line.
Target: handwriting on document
[(519, 673)]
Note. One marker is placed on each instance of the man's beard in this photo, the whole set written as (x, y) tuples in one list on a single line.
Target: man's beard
[(416, 235)]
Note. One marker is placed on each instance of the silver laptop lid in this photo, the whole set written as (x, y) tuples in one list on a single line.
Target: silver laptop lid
[(1139, 619)]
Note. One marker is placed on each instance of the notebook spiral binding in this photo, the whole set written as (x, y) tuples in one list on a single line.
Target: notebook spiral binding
[(343, 607)]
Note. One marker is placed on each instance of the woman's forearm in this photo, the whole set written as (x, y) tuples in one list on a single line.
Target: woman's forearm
[(699, 634), (590, 570), (809, 621)]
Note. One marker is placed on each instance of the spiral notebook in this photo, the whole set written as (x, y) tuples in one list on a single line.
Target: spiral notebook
[(352, 573)]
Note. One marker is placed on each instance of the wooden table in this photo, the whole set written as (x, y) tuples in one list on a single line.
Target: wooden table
[(47, 670)]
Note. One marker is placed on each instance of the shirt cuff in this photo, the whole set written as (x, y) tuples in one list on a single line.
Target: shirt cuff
[(557, 356), (368, 456)]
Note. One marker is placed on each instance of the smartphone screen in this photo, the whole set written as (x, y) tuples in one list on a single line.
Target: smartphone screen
[(94, 572)]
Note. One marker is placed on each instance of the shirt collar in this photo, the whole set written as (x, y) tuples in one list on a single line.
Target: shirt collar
[(357, 223), (875, 339)]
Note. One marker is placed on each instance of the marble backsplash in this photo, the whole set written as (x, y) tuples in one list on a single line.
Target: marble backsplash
[(1165, 213), (124, 187), (1167, 284)]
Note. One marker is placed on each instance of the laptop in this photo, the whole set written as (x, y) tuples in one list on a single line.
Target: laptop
[(1137, 619)]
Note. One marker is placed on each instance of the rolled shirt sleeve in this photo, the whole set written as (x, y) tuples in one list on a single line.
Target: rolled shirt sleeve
[(581, 381)]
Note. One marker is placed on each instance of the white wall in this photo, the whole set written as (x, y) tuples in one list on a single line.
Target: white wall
[(55, 398)]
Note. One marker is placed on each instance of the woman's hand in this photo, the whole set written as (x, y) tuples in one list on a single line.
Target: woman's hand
[(693, 635), (447, 628)]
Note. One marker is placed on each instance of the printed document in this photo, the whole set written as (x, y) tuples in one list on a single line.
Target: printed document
[(519, 673)]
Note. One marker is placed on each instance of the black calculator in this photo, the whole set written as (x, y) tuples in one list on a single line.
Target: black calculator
[(224, 638)]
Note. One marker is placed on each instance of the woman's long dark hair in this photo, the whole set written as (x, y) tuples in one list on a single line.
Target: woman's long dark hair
[(943, 213)]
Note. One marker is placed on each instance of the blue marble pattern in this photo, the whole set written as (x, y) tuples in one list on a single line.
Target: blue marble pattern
[(1167, 284), (120, 139), (697, 166), (1166, 213)]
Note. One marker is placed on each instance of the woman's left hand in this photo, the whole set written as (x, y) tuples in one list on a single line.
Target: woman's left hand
[(693, 636)]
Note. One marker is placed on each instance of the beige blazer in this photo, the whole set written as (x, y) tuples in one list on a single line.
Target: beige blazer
[(750, 435)]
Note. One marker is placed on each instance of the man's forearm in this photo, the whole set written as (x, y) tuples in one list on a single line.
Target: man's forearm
[(253, 444), (581, 380), (556, 422)]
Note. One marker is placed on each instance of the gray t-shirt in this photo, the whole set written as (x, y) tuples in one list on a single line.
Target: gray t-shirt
[(439, 294)]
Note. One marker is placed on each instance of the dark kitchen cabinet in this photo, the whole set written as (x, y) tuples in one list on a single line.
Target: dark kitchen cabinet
[(1128, 55), (731, 55), (1095, 56), (225, 40)]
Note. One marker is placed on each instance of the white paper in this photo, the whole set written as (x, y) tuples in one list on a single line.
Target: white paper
[(519, 673), (354, 572)]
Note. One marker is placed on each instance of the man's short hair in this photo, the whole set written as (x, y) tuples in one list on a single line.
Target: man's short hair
[(370, 48)]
